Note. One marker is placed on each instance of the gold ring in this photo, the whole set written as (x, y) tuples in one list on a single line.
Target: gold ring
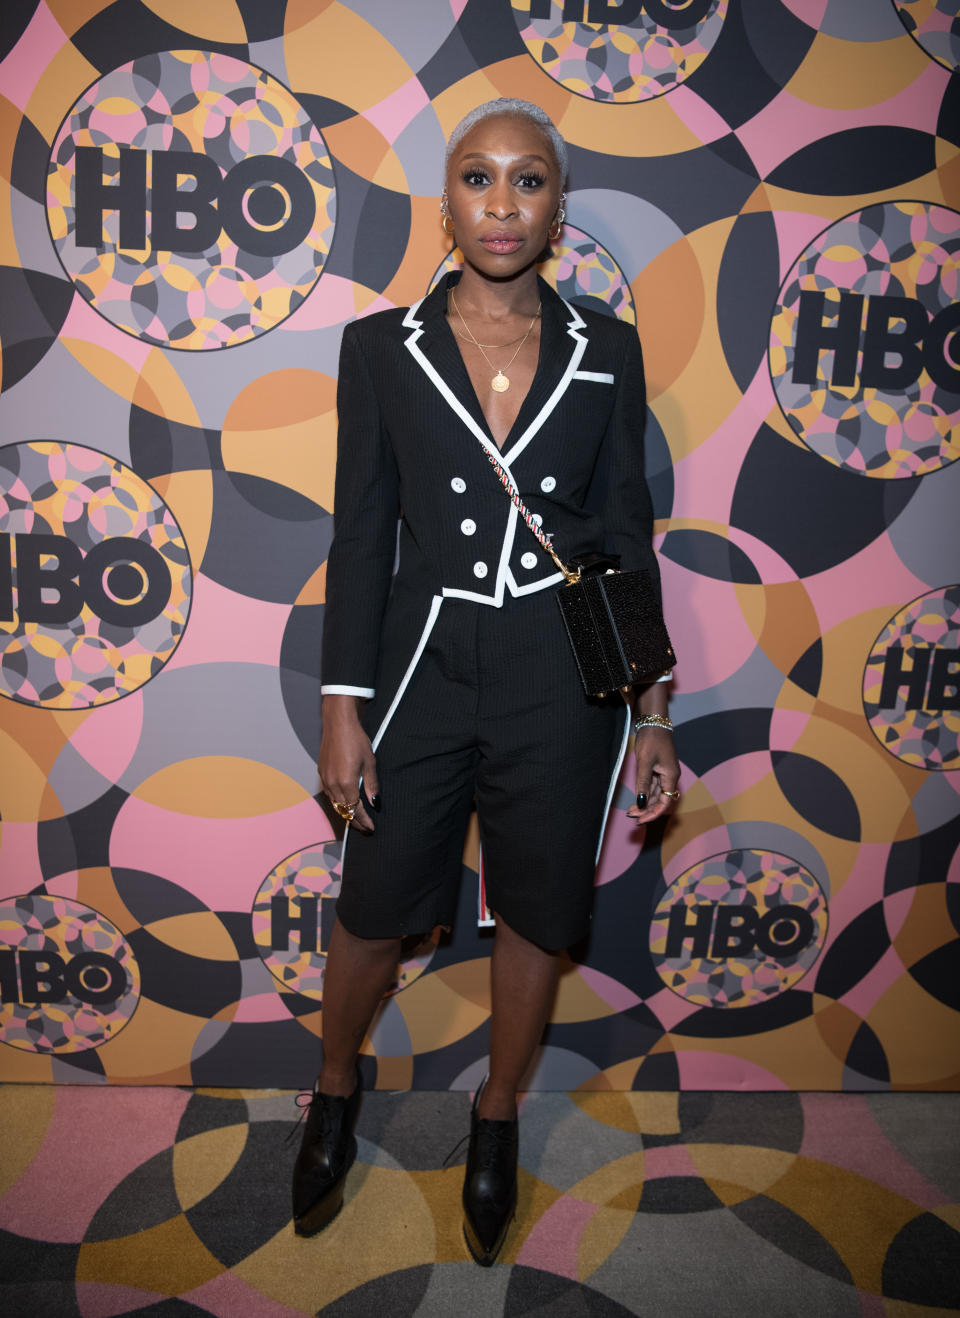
[(345, 811), (673, 795)]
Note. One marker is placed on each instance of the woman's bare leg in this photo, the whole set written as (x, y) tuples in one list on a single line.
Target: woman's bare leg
[(523, 982), (358, 973)]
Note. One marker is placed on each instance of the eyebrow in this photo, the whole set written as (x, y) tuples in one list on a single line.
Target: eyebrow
[(481, 155)]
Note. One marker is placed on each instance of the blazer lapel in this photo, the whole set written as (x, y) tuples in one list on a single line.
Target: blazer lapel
[(431, 343), (558, 348), (562, 345)]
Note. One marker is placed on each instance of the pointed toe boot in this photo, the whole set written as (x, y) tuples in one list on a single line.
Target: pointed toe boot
[(490, 1185), (327, 1152)]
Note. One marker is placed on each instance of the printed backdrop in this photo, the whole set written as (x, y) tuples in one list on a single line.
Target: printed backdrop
[(198, 197)]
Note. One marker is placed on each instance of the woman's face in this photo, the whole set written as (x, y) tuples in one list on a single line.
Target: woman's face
[(503, 189)]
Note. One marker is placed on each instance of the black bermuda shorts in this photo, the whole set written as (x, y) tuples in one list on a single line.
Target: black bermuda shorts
[(494, 712)]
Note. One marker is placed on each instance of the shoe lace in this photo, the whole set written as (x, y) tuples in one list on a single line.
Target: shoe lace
[(498, 1138), (497, 1135), (304, 1109), (456, 1149), (325, 1124)]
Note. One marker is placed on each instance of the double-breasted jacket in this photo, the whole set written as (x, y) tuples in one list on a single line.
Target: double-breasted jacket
[(413, 446)]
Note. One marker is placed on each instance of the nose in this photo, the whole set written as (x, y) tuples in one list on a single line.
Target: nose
[(500, 204)]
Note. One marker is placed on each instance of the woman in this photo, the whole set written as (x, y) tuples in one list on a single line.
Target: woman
[(454, 681)]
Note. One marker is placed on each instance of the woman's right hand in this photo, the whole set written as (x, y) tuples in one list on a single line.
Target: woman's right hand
[(345, 757)]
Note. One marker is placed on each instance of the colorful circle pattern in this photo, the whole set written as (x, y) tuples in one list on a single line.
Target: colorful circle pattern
[(264, 199), (106, 569), (293, 913), (934, 25), (911, 683), (906, 253), (77, 981), (166, 810), (738, 929), (653, 48)]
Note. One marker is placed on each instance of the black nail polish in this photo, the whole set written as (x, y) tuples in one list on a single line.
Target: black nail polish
[(375, 802), (642, 800)]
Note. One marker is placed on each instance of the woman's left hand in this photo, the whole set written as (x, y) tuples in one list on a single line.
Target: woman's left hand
[(658, 772)]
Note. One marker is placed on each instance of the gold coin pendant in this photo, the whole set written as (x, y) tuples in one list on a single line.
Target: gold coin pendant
[(500, 383)]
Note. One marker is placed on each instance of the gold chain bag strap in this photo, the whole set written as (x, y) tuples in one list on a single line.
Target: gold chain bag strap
[(614, 619)]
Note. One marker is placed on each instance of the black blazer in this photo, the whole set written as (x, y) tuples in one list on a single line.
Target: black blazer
[(412, 444)]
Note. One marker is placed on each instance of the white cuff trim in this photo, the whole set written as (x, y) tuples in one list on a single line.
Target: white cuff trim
[(665, 677), (367, 692)]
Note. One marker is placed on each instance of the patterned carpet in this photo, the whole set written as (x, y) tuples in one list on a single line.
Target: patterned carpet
[(175, 1202)]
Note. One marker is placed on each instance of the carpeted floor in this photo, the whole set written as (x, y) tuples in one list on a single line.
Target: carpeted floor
[(175, 1202)]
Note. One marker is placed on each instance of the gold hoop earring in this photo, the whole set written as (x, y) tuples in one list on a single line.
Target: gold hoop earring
[(561, 216), (448, 232), (446, 216)]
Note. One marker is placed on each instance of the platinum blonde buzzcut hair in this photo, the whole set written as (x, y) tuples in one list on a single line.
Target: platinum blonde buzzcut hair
[(510, 105)]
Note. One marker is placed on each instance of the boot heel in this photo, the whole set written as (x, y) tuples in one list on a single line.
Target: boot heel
[(323, 1212)]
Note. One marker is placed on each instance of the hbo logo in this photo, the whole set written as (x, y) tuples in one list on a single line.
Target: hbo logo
[(626, 12), (122, 580), (720, 931), (920, 342), (90, 977), (932, 682), (248, 202), (304, 917)]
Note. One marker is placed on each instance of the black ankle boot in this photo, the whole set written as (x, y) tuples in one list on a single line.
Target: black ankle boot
[(327, 1152), (490, 1185)]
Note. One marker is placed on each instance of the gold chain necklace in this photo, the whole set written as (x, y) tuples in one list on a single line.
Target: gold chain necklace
[(487, 345), (500, 382)]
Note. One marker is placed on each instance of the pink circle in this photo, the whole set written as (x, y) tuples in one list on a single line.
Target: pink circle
[(117, 127), (213, 122), (83, 459), (222, 291), (658, 53)]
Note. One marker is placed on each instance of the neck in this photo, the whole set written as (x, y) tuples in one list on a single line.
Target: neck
[(498, 299)]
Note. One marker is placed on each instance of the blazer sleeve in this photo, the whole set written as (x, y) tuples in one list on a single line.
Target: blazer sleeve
[(365, 513), (618, 488)]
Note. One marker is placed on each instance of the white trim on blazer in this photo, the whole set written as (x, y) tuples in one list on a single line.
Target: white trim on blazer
[(504, 579), (432, 616), (580, 347), (614, 778), (516, 589), (398, 696), (598, 377)]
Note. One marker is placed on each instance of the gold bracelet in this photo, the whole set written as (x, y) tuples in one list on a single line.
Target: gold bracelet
[(652, 721)]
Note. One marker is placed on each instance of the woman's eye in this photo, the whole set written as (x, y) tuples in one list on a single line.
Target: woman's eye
[(475, 178), (531, 180)]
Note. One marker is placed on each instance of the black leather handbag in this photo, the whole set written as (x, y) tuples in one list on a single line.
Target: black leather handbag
[(614, 619)]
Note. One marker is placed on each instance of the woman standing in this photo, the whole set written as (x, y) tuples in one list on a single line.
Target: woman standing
[(454, 681)]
